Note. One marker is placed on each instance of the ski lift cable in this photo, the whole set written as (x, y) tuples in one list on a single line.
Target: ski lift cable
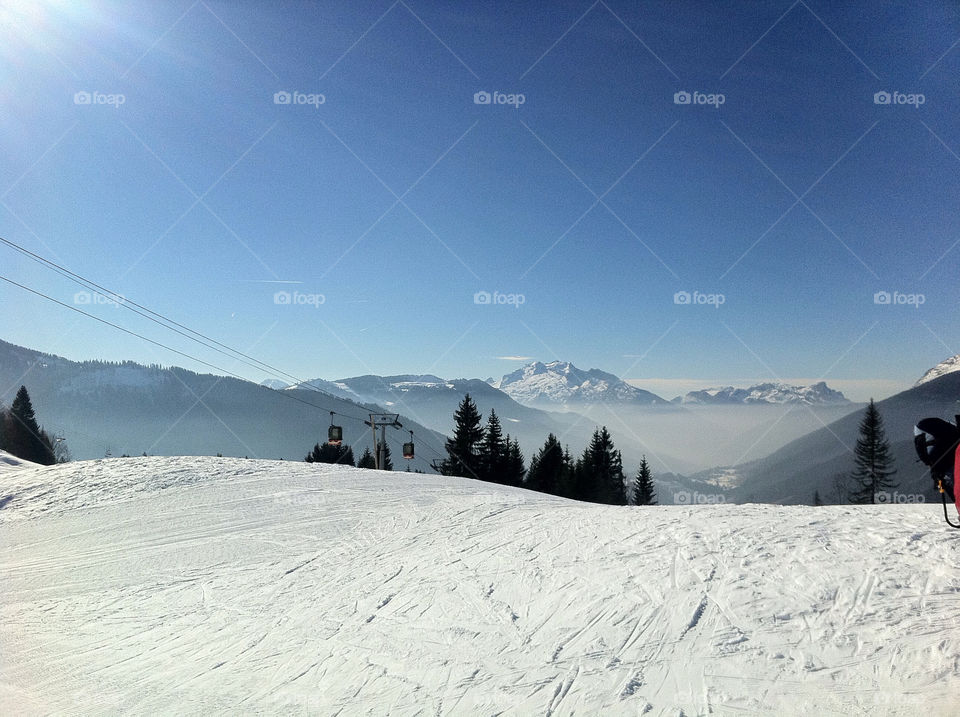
[(125, 302), (154, 316), (161, 318), (176, 351), (158, 343)]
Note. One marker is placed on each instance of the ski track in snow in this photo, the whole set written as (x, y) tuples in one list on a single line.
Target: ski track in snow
[(201, 585)]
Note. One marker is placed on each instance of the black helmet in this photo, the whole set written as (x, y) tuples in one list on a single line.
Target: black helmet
[(935, 441)]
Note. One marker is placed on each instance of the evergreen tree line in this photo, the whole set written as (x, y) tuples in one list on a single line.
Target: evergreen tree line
[(343, 455), (23, 437), (485, 453)]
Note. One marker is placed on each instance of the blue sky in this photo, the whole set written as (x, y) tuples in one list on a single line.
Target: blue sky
[(597, 202)]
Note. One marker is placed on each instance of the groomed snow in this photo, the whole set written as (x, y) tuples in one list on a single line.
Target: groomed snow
[(226, 586)]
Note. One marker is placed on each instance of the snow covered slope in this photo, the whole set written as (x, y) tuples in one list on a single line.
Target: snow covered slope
[(10, 462), (225, 586), (944, 367)]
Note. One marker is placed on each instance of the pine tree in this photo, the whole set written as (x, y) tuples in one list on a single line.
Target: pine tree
[(600, 477), (616, 483), (547, 467), (873, 469), (387, 463), (4, 428), (817, 500), (514, 468), (462, 449), (326, 453), (581, 486), (643, 489), (493, 452), (23, 436), (366, 460), (567, 484)]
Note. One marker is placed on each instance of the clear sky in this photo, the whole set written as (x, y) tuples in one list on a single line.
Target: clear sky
[(144, 146)]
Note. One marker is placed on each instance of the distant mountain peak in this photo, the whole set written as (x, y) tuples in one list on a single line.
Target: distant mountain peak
[(946, 366), (560, 382), (773, 393)]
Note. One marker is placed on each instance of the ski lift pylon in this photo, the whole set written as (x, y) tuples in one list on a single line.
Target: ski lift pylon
[(334, 433), (408, 448)]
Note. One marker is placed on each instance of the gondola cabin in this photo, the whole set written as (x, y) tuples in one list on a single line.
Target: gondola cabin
[(335, 435)]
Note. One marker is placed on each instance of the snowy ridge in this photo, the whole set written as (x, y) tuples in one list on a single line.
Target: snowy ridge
[(10, 462), (202, 585), (946, 366), (560, 382), (818, 394)]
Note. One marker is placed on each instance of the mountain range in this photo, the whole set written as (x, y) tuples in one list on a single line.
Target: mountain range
[(817, 461), (115, 408), (818, 394), (560, 383), (770, 442)]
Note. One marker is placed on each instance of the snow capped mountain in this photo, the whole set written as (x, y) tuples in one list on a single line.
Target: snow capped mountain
[(372, 389), (819, 394), (275, 383), (560, 383), (944, 367), (225, 586)]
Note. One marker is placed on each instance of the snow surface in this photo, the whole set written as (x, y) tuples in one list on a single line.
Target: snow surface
[(10, 462), (209, 586), (941, 369)]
